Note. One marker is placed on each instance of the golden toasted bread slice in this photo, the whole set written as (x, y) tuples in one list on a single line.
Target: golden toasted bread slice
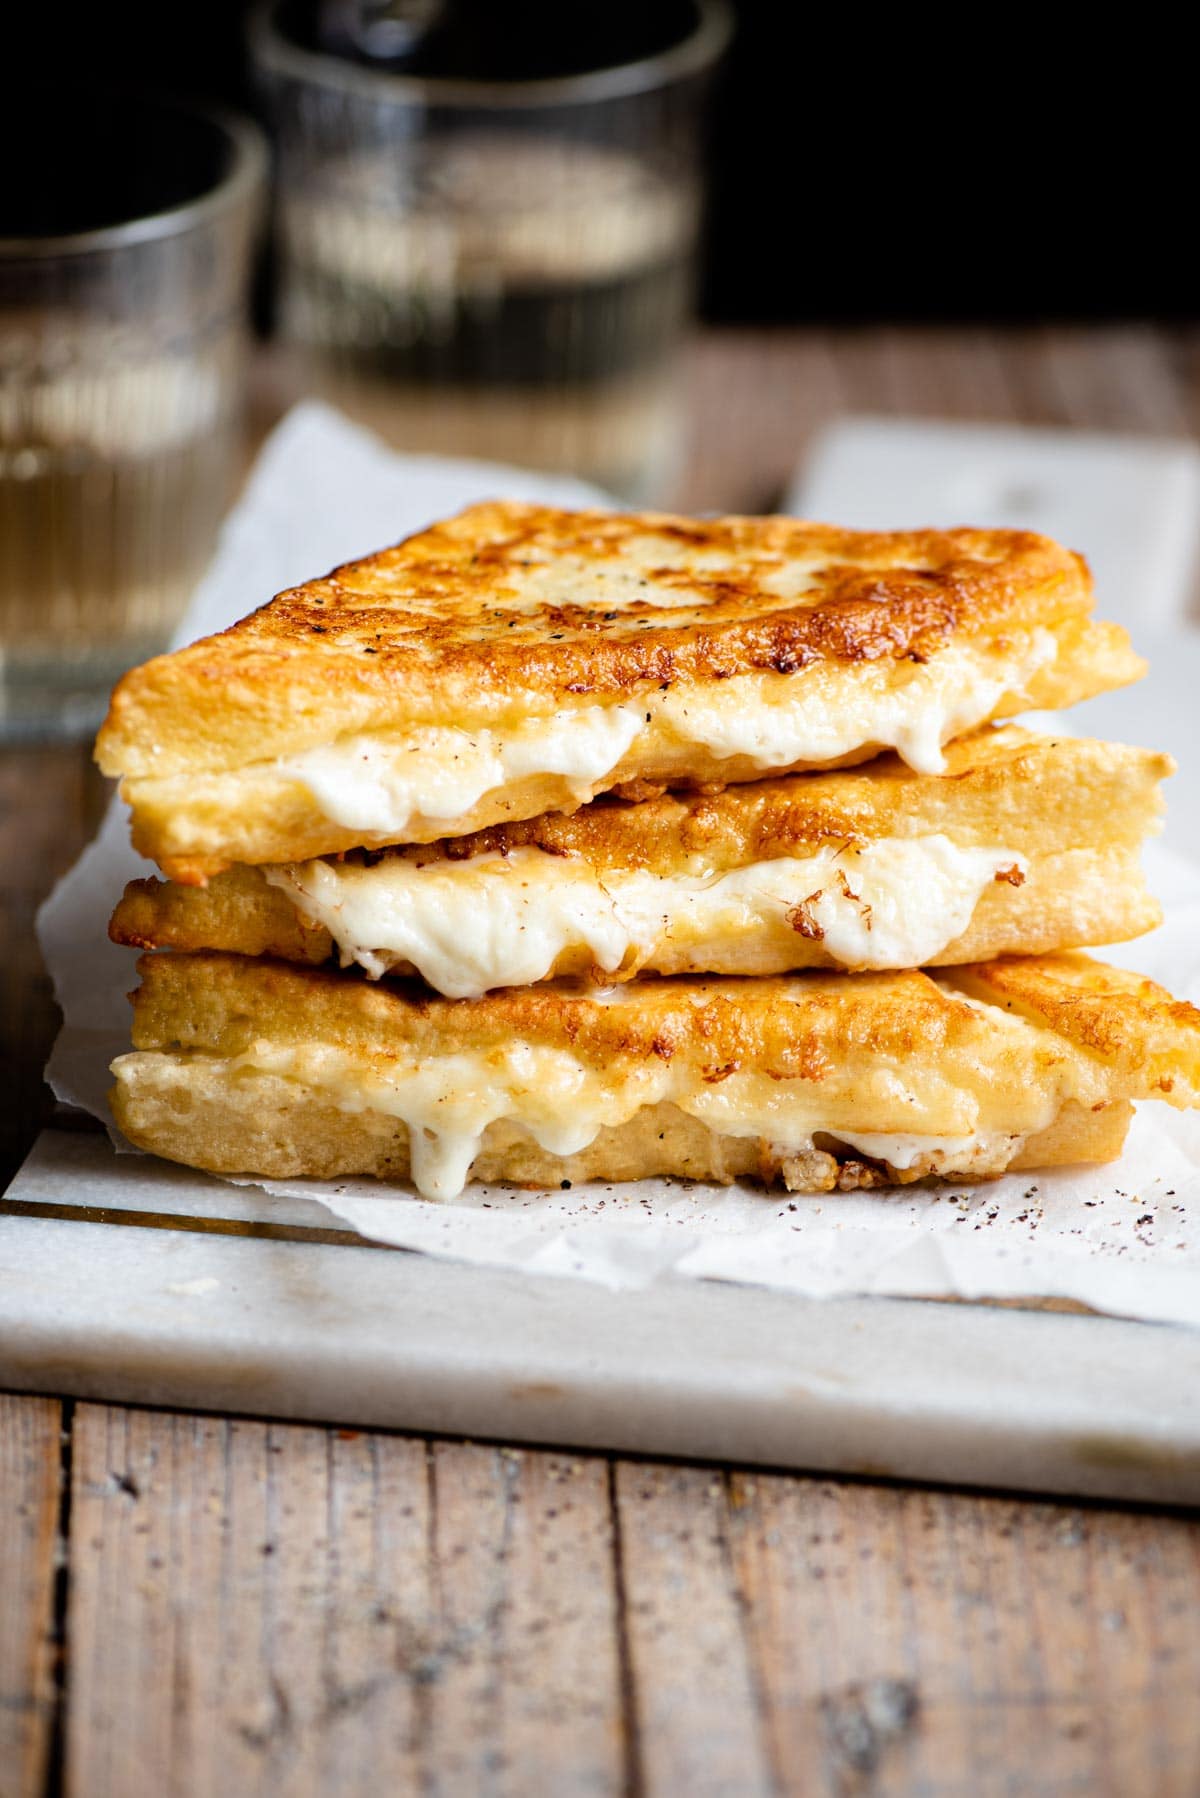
[(516, 660), (1027, 844), (253, 1066)]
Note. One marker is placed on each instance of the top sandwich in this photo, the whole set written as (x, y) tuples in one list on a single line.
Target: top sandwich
[(518, 659)]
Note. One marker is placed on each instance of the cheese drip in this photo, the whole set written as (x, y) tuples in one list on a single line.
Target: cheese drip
[(447, 1103)]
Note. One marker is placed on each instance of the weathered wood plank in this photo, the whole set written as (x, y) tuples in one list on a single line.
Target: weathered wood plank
[(1114, 378), (280, 1610), (30, 1471), (277, 1609), (529, 1696), (697, 1682), (941, 1642)]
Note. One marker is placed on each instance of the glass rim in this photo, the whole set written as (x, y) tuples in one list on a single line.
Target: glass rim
[(246, 172), (689, 55)]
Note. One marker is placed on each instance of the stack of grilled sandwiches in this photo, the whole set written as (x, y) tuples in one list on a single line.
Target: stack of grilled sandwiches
[(552, 846)]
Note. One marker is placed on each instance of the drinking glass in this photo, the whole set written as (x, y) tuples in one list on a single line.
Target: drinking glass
[(123, 288), (495, 268)]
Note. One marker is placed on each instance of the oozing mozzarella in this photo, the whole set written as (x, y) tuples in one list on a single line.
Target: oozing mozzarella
[(492, 920)]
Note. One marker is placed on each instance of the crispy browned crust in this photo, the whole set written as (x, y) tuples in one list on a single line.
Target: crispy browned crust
[(1118, 1017), (238, 910), (195, 824), (510, 609), (222, 1004), (1129, 1034)]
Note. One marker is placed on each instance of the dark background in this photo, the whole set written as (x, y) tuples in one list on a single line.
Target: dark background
[(991, 165)]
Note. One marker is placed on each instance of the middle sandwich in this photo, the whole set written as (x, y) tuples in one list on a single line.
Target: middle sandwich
[(1027, 844)]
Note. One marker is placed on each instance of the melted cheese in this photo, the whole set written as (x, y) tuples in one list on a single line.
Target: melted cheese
[(448, 1102), (494, 920), (986, 1151), (778, 724), (379, 786), (382, 785)]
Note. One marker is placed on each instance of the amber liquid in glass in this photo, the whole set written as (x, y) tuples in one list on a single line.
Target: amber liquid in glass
[(113, 481), (521, 299)]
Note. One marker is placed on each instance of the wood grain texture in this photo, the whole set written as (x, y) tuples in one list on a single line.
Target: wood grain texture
[(938, 1642), (278, 1610), (698, 1702), (30, 1470)]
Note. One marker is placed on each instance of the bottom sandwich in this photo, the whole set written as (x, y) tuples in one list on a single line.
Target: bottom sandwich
[(815, 1081)]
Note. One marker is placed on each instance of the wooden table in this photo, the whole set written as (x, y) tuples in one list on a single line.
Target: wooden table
[(201, 1605)]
